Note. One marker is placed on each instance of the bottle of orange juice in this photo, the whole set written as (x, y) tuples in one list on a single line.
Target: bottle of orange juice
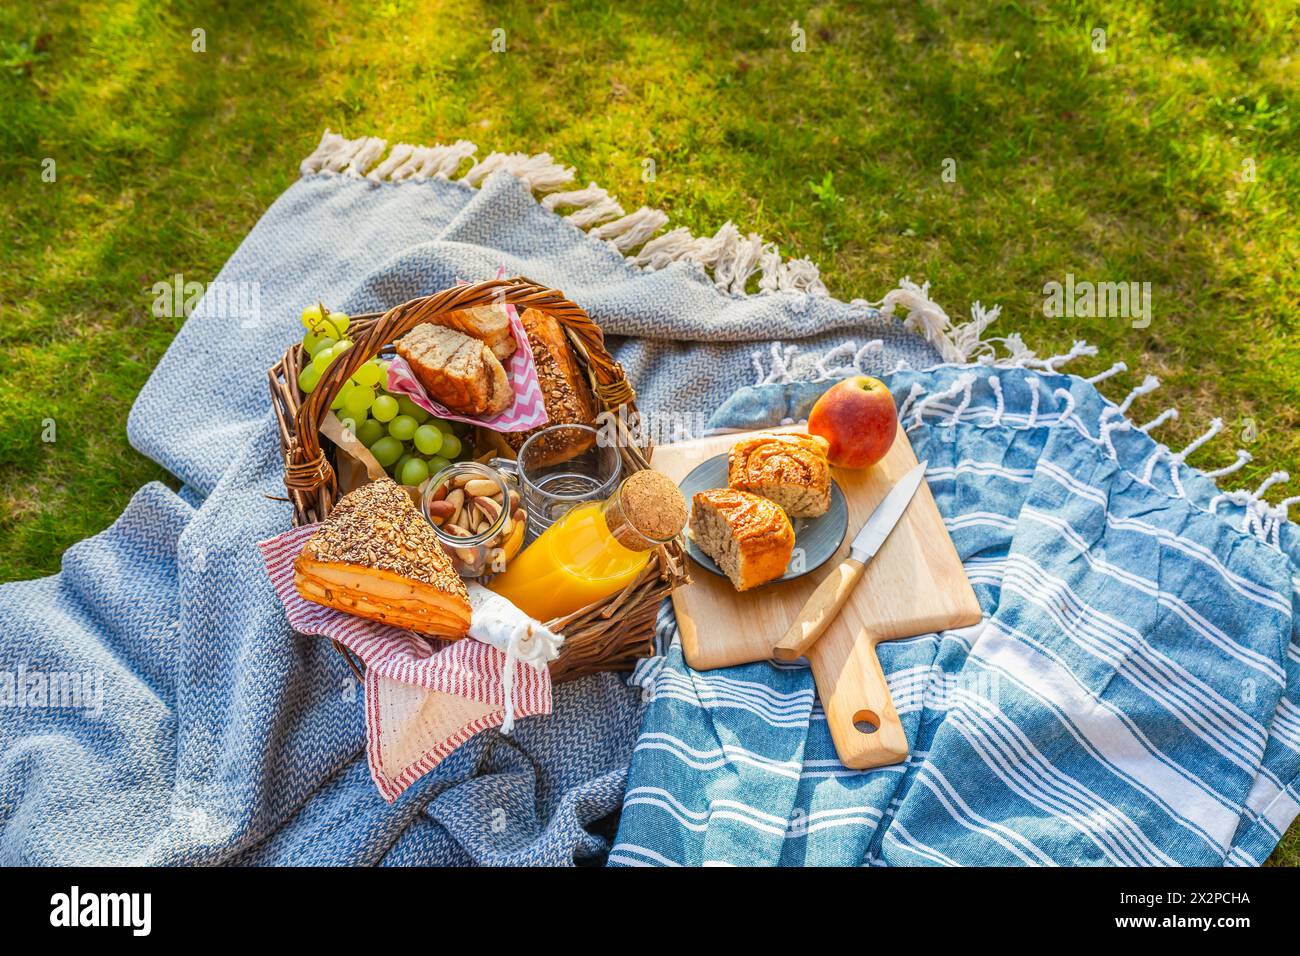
[(595, 550)]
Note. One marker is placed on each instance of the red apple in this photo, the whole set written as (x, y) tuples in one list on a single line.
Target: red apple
[(857, 417)]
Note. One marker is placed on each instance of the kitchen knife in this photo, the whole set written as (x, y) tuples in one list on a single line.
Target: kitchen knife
[(826, 601)]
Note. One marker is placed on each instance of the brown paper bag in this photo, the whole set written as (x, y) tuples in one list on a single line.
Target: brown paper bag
[(355, 465)]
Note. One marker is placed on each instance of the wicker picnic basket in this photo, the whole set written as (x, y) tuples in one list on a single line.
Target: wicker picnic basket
[(608, 635)]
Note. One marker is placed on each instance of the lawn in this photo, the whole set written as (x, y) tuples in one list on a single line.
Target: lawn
[(1164, 149)]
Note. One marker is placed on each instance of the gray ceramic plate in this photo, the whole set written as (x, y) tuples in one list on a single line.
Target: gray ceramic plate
[(815, 539)]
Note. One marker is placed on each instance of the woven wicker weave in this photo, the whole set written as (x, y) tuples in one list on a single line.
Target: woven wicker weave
[(608, 635)]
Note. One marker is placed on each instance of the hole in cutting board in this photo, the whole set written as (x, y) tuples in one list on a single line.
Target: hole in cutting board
[(866, 722)]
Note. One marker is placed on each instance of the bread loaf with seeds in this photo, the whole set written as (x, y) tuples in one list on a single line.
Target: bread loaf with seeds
[(376, 557), (569, 399)]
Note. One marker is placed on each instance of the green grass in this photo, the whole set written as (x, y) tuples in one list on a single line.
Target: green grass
[(1122, 165)]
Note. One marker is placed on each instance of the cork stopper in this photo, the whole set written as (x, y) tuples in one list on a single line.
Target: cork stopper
[(648, 510)]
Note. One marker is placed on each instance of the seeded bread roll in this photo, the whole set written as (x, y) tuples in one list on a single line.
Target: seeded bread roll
[(748, 536), (569, 400), (792, 470), (376, 557), (457, 370)]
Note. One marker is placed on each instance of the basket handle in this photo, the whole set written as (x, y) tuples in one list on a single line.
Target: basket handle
[(306, 467)]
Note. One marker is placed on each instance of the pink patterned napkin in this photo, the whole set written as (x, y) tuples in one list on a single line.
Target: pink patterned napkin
[(424, 697), (529, 408)]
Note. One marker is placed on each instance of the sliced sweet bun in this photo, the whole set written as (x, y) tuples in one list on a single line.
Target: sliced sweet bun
[(457, 370), (490, 324), (749, 536)]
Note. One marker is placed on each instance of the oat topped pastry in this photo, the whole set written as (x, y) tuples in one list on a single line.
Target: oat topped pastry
[(376, 557)]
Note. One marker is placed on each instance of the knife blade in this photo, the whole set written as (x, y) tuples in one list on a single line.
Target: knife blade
[(825, 603)]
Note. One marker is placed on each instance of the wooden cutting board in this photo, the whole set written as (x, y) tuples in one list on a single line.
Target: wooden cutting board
[(914, 585)]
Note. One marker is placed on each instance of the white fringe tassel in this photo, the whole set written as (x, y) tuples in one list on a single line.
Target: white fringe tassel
[(632, 230), (730, 258), (1244, 458), (847, 358), (966, 342), (591, 206), (539, 172)]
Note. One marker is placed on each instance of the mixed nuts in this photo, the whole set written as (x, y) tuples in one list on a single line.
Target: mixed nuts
[(466, 506)]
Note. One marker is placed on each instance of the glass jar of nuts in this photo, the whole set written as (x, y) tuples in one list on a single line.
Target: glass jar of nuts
[(476, 516)]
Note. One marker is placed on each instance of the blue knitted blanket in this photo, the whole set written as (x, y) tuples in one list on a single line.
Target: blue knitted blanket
[(156, 707)]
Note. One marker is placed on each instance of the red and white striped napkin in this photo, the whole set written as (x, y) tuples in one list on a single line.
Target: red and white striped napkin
[(424, 697)]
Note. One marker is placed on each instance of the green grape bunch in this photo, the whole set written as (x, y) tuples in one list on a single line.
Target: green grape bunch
[(404, 438)]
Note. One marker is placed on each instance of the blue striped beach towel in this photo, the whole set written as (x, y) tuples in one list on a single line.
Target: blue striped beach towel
[(1132, 696)]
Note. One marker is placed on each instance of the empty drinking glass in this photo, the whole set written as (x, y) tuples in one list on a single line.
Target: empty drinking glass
[(560, 467)]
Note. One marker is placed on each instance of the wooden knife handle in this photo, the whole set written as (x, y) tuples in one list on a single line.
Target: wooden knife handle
[(819, 610)]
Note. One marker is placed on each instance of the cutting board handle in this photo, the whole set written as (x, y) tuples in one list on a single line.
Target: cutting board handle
[(856, 700)]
